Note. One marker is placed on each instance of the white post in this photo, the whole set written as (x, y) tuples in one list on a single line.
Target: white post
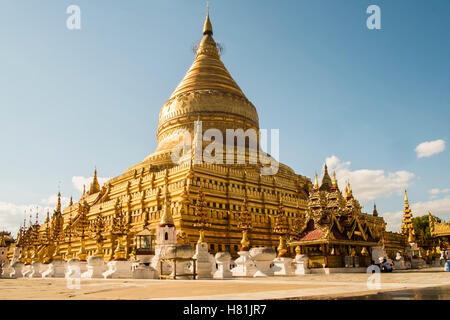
[(203, 261), (35, 270), (17, 270), (263, 258), (283, 266), (223, 271), (245, 267), (118, 270), (95, 268), (301, 264)]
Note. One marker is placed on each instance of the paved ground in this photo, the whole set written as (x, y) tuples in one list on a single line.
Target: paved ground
[(431, 293), (313, 286)]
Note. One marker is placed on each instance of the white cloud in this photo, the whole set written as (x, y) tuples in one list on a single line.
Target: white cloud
[(53, 200), (369, 184), (429, 148), (12, 215), (439, 207), (78, 182), (434, 191), (393, 220)]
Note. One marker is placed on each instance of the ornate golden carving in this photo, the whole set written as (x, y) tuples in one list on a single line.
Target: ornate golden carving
[(438, 229), (202, 216)]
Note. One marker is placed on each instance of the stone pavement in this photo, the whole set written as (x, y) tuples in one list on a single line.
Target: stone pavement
[(312, 286)]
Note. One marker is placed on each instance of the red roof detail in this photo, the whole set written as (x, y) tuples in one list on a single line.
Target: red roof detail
[(312, 235)]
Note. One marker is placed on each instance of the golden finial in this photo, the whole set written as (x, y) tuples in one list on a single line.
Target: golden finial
[(58, 205), (364, 251), (334, 179), (375, 212), (95, 186), (71, 201), (207, 28), (411, 235), (316, 182), (245, 242), (84, 189), (406, 199), (201, 238), (348, 190)]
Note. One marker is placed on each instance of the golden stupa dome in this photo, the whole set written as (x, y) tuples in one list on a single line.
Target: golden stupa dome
[(207, 93)]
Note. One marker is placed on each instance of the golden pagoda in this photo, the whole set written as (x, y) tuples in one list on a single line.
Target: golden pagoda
[(407, 223), (136, 200)]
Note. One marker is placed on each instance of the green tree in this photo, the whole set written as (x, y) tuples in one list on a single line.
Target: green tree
[(422, 226)]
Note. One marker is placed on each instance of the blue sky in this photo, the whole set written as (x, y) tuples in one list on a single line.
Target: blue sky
[(72, 100)]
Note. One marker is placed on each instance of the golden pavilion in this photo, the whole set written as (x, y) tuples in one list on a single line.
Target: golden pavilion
[(334, 227)]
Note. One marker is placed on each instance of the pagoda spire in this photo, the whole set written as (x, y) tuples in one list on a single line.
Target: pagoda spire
[(58, 205), (334, 185), (245, 224), (207, 28), (316, 182), (95, 186), (281, 228), (326, 181), (375, 212), (348, 191), (207, 71), (202, 216), (407, 222), (166, 219)]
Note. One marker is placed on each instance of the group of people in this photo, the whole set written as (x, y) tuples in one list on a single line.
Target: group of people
[(386, 266), (445, 256), (383, 265)]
